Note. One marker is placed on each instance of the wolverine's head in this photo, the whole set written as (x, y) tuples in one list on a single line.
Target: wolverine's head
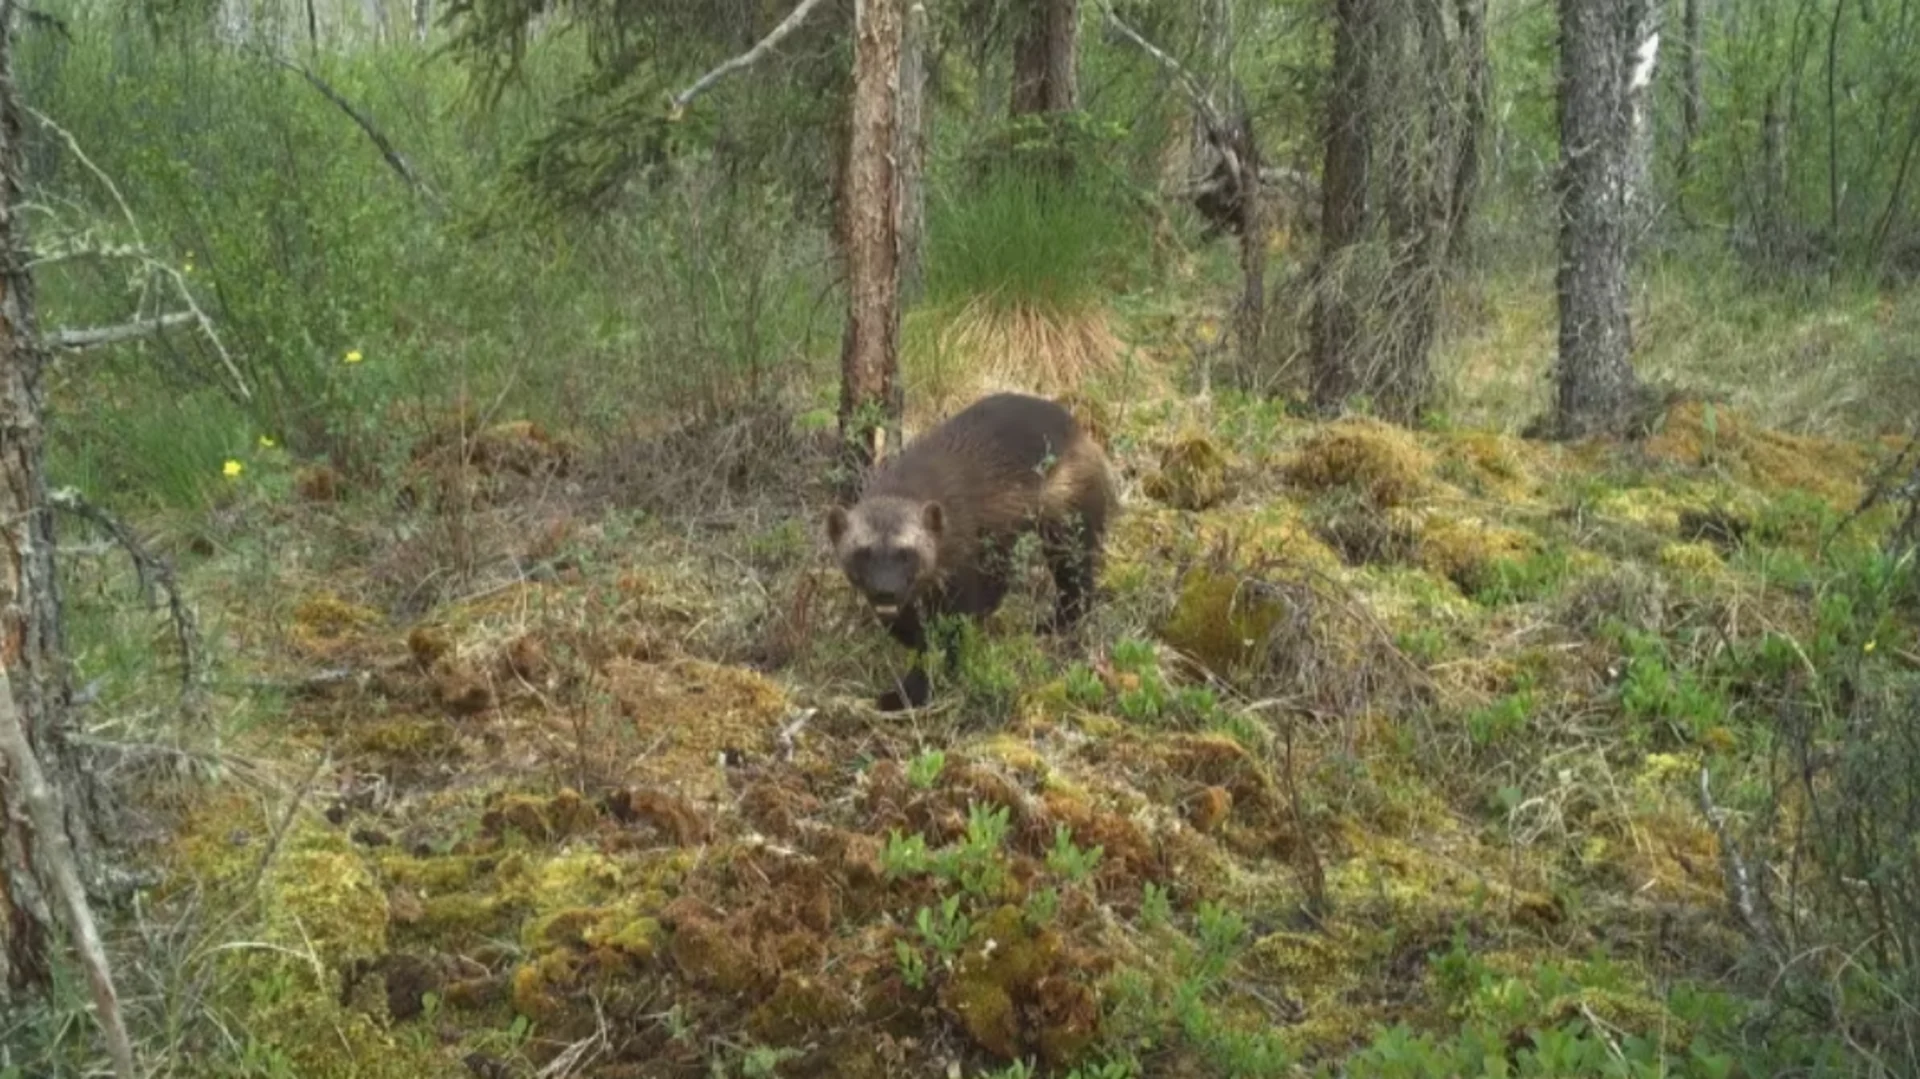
[(888, 547)]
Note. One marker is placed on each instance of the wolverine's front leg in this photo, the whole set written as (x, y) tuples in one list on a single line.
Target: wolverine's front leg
[(907, 627)]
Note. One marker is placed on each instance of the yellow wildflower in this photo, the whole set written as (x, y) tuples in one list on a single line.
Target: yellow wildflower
[(266, 443), (353, 355), (233, 468), (1870, 646)]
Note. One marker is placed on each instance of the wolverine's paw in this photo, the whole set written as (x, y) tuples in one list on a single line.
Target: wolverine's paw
[(913, 693)]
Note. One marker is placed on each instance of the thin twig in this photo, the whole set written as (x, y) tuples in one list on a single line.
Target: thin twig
[(77, 340), (396, 160), (57, 862), (1740, 888), (1189, 85), (150, 569), (746, 59), (126, 211), (789, 734)]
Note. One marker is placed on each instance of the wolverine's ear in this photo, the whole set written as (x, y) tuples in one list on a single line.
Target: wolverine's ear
[(836, 524), (933, 518)]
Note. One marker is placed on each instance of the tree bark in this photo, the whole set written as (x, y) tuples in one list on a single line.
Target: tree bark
[(1472, 15), (1642, 61), (910, 147), (1046, 58), (1344, 211), (1422, 163), (870, 392), (32, 651), (1596, 381), (1250, 315)]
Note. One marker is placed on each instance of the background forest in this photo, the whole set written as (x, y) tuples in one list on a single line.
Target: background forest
[(1508, 655)]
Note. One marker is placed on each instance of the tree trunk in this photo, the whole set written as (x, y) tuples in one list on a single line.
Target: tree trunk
[(1693, 91), (1422, 160), (870, 392), (422, 20), (1046, 58), (1596, 382), (1216, 49), (1343, 213), (32, 652), (1250, 314), (1642, 61), (1473, 123), (910, 148)]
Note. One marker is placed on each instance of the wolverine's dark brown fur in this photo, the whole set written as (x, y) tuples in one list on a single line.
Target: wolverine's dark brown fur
[(934, 528)]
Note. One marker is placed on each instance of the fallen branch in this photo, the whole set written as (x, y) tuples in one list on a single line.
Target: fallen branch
[(746, 59), (396, 160), (140, 244), (56, 862), (789, 735), (150, 569), (1741, 893), (76, 340)]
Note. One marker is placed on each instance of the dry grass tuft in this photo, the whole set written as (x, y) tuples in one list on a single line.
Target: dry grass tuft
[(955, 356)]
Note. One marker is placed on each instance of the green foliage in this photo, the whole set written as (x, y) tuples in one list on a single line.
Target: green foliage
[(925, 768), (350, 305)]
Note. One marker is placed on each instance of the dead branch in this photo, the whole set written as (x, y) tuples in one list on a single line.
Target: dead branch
[(788, 738), (746, 59), (1189, 85), (140, 244), (95, 337), (1741, 893), (396, 160), (150, 569), (56, 862)]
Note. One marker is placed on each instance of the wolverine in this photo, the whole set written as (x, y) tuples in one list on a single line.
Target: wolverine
[(934, 527)]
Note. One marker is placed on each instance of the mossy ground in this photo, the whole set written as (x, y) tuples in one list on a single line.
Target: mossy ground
[(1350, 744)]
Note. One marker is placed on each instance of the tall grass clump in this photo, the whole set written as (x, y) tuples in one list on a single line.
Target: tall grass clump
[(1026, 240), (1019, 267)]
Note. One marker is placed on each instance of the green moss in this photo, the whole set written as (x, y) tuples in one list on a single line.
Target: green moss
[(1217, 623), (1192, 476)]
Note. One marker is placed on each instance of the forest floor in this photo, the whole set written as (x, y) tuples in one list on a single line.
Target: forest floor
[(566, 761)]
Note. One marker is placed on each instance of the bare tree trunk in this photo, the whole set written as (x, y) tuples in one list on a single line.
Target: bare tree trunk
[(1046, 58), (50, 807), (1596, 382), (422, 19), (1422, 161), (1693, 91), (910, 147), (1473, 122), (1250, 314), (1343, 214), (870, 392), (1644, 59)]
